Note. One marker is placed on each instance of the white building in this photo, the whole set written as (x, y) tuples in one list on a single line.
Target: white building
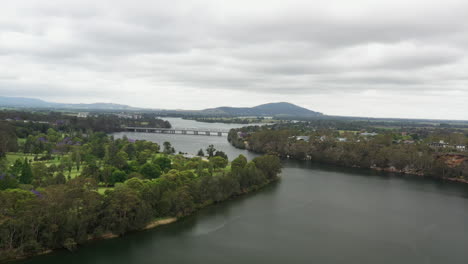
[(83, 114), (369, 134), (460, 147)]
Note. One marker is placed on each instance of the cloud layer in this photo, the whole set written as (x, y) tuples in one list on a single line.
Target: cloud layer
[(367, 58)]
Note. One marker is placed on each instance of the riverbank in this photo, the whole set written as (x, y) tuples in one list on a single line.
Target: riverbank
[(12, 257), (151, 225), (391, 169), (159, 222)]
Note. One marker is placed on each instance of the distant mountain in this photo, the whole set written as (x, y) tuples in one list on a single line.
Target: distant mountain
[(271, 109), (22, 102)]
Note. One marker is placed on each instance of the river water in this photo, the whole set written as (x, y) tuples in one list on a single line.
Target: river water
[(315, 214)]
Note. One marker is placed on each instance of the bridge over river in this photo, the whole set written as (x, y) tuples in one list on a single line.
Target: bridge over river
[(181, 131)]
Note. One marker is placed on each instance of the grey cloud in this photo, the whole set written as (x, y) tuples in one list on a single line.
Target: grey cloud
[(80, 49)]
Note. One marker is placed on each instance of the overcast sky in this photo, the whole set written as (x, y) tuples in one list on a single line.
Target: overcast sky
[(394, 58)]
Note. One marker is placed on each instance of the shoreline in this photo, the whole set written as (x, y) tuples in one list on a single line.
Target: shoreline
[(151, 225), (372, 168), (160, 222)]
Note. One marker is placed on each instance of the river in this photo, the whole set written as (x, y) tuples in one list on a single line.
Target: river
[(315, 214)]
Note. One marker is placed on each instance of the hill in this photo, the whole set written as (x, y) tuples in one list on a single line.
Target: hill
[(22, 102), (271, 109)]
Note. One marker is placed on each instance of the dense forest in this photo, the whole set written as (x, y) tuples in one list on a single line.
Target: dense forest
[(98, 122), (59, 190), (391, 150)]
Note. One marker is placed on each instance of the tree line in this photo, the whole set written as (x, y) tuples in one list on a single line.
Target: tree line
[(96, 121), (379, 152)]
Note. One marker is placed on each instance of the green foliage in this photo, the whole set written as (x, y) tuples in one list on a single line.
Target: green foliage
[(8, 181), (201, 153), (239, 163), (168, 149), (143, 156), (383, 151), (150, 171), (16, 168), (8, 139), (218, 162), (163, 162), (221, 154), (85, 185), (26, 173), (124, 211), (270, 165), (210, 150), (118, 176)]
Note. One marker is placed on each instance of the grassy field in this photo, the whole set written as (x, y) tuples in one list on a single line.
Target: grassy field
[(102, 190), (13, 156)]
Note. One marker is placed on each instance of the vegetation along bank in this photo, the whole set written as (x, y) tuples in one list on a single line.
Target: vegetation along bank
[(60, 189), (438, 153)]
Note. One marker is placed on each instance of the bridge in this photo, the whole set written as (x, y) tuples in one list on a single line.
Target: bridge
[(180, 131)]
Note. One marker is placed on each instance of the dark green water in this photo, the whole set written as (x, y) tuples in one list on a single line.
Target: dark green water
[(315, 214)]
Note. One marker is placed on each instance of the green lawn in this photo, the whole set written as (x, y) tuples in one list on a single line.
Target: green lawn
[(13, 156), (102, 190), (74, 173)]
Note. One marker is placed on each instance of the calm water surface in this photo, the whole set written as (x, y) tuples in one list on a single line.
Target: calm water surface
[(315, 214)]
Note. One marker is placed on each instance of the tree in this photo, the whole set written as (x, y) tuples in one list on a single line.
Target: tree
[(269, 164), (16, 168), (143, 156), (124, 210), (8, 181), (67, 163), (218, 162), (253, 176), (120, 160), (26, 173), (150, 171), (105, 174), (201, 153), (163, 162), (238, 163), (76, 157), (118, 176), (41, 174), (130, 150), (221, 154), (60, 178), (8, 139), (168, 149), (210, 150), (91, 171)]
